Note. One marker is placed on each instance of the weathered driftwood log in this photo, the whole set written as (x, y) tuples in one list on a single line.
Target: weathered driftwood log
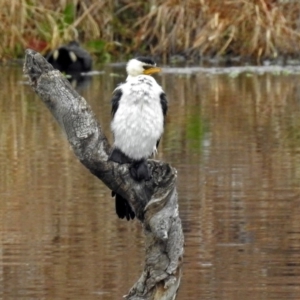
[(154, 201)]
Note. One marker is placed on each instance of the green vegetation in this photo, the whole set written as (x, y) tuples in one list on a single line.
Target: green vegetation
[(111, 29)]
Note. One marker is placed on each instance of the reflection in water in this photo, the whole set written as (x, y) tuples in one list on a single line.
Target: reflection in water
[(236, 145), (78, 81)]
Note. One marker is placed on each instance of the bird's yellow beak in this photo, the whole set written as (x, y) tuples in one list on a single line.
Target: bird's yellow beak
[(151, 71)]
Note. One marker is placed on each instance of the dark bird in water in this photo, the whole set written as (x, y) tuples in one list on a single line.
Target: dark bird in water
[(139, 107), (70, 58)]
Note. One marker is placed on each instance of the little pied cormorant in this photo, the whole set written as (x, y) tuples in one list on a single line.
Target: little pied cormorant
[(70, 58), (139, 107)]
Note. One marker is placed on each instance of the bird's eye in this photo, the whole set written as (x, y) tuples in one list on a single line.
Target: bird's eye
[(147, 67)]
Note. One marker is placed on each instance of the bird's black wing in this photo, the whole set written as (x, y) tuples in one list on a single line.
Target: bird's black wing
[(117, 94), (164, 106)]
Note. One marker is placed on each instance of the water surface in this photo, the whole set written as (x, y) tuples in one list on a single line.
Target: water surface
[(235, 141)]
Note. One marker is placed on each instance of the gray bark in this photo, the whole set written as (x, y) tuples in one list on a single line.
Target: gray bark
[(154, 202)]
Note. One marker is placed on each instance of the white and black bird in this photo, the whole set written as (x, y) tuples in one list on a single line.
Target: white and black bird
[(139, 107)]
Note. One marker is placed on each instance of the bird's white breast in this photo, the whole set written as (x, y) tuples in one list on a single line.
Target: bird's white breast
[(138, 123)]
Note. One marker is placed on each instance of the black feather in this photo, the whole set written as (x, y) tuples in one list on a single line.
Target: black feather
[(139, 170), (157, 143), (119, 157), (123, 209), (164, 103), (164, 106), (146, 60), (117, 94)]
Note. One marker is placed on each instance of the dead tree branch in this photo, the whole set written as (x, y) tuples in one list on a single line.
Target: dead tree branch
[(154, 201)]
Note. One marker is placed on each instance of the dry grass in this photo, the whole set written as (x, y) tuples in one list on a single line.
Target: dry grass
[(248, 28), (43, 24), (257, 28)]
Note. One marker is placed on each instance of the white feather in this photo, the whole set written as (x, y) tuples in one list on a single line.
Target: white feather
[(138, 122), (135, 67)]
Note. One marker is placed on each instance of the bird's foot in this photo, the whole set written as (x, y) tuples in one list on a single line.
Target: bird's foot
[(139, 170)]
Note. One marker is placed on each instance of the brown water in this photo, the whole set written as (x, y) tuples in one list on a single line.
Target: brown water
[(235, 142)]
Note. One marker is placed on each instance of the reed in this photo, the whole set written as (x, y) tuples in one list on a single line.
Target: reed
[(43, 24), (194, 28), (255, 28)]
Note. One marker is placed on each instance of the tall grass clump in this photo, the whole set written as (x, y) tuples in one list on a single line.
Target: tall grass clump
[(249, 28), (111, 28), (43, 24)]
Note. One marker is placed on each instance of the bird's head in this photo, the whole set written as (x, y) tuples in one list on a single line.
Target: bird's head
[(141, 66)]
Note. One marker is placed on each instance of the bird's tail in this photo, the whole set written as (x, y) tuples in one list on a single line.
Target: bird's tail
[(123, 208)]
